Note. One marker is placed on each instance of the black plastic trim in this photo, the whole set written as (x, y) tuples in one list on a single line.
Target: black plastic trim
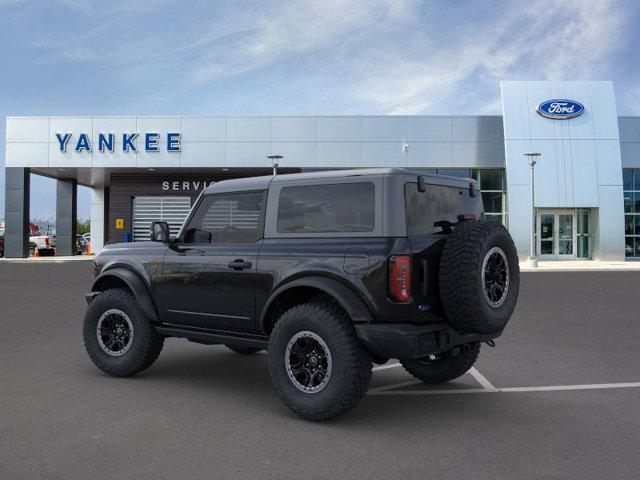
[(407, 341), (346, 297), (137, 286), (212, 337)]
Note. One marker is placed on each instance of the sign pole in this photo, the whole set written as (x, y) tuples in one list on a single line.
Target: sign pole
[(533, 259)]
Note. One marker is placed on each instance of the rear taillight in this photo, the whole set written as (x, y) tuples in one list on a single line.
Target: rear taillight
[(46, 240), (400, 278)]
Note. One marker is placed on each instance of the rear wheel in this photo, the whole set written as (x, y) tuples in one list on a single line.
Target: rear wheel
[(118, 338), (243, 350), (444, 367), (318, 366)]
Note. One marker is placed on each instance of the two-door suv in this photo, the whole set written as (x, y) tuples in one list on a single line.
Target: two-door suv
[(327, 271)]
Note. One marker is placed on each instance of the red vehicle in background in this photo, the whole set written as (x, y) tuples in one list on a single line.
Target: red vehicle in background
[(44, 244)]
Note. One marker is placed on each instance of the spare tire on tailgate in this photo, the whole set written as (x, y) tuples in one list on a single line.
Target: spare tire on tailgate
[(479, 277)]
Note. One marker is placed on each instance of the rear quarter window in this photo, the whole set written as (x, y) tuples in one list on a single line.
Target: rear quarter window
[(438, 203), (344, 207)]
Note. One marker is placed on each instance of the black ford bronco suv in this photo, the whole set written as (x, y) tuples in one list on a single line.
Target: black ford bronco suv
[(327, 271)]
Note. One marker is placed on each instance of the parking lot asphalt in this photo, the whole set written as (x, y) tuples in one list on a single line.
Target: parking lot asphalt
[(205, 412)]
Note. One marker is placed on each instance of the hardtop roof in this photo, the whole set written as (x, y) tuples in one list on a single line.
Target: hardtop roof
[(263, 182)]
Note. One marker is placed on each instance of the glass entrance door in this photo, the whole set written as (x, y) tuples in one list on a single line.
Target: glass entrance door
[(565, 234), (557, 238), (546, 227)]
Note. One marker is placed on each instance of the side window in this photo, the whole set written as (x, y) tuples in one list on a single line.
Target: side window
[(342, 207), (226, 218)]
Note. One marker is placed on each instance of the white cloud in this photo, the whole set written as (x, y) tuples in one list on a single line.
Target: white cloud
[(543, 40), (393, 56)]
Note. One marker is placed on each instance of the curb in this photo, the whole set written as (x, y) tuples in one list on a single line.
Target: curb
[(39, 260)]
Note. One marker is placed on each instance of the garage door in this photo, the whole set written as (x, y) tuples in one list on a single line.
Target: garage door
[(172, 210)]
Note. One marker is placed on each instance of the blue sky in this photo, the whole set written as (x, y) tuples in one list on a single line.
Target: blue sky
[(79, 57)]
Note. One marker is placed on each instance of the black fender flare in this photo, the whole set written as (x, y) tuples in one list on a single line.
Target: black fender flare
[(137, 286), (345, 296)]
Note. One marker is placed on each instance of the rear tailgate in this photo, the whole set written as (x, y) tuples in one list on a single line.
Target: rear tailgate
[(430, 216)]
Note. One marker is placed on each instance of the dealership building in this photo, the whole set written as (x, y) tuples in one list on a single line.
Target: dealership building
[(140, 169)]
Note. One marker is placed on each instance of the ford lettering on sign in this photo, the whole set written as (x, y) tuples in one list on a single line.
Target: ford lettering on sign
[(560, 109)]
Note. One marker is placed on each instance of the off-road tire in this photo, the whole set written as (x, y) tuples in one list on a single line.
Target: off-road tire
[(244, 350), (351, 363), (446, 367), (146, 344), (462, 290)]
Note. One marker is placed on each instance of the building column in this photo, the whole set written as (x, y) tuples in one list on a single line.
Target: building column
[(66, 217), (610, 224), (97, 219), (17, 191)]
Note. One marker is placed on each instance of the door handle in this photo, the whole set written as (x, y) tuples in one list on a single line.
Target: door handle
[(239, 264)]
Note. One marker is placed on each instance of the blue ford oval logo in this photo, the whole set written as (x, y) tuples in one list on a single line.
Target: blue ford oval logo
[(560, 109)]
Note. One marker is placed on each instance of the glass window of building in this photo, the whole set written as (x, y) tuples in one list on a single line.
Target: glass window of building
[(491, 182), (631, 182)]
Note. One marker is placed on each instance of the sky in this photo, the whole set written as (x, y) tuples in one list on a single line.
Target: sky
[(162, 57)]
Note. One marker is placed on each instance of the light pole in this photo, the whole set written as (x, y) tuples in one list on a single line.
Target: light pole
[(274, 162), (533, 258)]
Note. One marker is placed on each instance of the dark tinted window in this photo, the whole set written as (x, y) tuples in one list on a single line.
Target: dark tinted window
[(437, 204), (345, 207), (233, 218)]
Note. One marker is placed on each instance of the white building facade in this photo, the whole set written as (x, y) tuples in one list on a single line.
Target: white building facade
[(587, 178)]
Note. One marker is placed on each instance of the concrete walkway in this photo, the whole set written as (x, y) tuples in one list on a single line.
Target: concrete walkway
[(580, 266), (543, 266), (53, 259)]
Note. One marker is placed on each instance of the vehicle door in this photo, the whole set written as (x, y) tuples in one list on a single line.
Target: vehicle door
[(209, 273)]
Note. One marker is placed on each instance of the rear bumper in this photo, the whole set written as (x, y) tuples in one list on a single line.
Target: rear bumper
[(406, 340)]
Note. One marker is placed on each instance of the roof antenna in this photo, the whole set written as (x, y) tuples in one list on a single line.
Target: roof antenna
[(274, 162)]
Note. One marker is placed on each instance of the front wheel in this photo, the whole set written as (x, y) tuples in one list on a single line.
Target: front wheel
[(118, 338), (318, 366), (444, 367)]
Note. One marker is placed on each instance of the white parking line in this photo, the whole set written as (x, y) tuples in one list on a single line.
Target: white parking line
[(589, 386), (373, 391), (481, 379), (387, 365), (550, 388)]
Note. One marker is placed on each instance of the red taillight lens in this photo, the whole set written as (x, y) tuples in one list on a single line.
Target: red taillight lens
[(46, 240), (400, 278)]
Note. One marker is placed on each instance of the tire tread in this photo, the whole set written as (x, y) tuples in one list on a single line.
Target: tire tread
[(152, 340), (358, 364)]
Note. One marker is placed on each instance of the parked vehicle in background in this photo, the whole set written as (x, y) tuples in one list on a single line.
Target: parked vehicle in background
[(87, 237), (81, 245), (328, 271), (44, 243)]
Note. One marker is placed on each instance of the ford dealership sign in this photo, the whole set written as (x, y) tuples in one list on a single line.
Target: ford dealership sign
[(560, 109)]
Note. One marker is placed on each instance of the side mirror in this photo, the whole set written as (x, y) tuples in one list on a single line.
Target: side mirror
[(160, 232)]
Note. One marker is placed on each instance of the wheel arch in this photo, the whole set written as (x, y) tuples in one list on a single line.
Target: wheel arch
[(303, 289), (121, 277)]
